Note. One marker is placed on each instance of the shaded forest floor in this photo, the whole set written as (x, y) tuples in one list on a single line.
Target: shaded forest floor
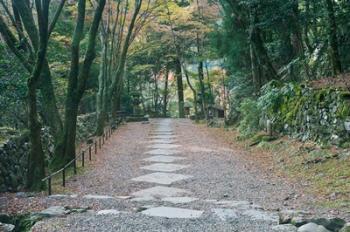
[(320, 173)]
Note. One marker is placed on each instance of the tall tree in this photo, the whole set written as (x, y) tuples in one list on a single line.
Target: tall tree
[(78, 76), (36, 165), (180, 88), (117, 81), (333, 38), (28, 37), (166, 91), (34, 47)]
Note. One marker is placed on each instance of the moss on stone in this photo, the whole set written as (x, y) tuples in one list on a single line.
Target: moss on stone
[(343, 110), (258, 138), (310, 114)]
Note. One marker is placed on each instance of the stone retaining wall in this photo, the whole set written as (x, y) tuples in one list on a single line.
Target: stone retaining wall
[(309, 114), (14, 153), (13, 157)]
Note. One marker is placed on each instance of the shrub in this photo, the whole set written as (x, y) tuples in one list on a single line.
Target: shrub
[(250, 113)]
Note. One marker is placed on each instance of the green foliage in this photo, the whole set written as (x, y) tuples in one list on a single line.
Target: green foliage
[(278, 102), (251, 114), (13, 91)]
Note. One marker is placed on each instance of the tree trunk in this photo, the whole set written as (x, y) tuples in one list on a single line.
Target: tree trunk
[(333, 38), (156, 95), (117, 82), (209, 84), (256, 74), (194, 94), (200, 68), (298, 39), (36, 162), (100, 96), (67, 145), (180, 90), (78, 77), (268, 71), (165, 95), (117, 92), (49, 111), (202, 88)]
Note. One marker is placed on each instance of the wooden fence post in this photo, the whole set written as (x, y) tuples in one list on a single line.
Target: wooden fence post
[(83, 159), (64, 177), (49, 187), (75, 166)]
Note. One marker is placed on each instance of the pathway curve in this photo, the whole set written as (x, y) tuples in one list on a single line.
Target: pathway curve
[(169, 175)]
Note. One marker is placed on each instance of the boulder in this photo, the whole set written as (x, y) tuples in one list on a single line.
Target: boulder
[(334, 224), (346, 228), (78, 210), (53, 211), (312, 227), (6, 227), (300, 220), (286, 216), (284, 228)]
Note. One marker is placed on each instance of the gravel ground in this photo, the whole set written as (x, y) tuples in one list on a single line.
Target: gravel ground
[(221, 179)]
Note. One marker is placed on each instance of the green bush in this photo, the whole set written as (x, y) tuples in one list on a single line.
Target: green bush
[(250, 113)]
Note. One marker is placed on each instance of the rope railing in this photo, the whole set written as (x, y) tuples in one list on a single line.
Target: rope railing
[(96, 144)]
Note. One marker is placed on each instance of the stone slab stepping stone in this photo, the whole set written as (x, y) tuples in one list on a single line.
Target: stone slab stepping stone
[(139, 199), (98, 197), (161, 178), (165, 132), (164, 146), (170, 212), (123, 197), (241, 205), (163, 141), (162, 152), (59, 196), (179, 200), (284, 228), (108, 212), (225, 214), (164, 158), (159, 192), (162, 129), (162, 136), (261, 215), (161, 167)]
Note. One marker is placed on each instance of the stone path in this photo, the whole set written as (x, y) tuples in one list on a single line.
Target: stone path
[(169, 180), (165, 174)]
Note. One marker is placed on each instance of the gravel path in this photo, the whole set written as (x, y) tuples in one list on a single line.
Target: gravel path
[(171, 175)]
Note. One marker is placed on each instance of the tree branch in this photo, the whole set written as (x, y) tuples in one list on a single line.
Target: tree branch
[(56, 16)]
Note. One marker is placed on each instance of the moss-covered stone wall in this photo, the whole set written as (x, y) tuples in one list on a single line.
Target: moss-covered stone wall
[(311, 114), (14, 151)]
